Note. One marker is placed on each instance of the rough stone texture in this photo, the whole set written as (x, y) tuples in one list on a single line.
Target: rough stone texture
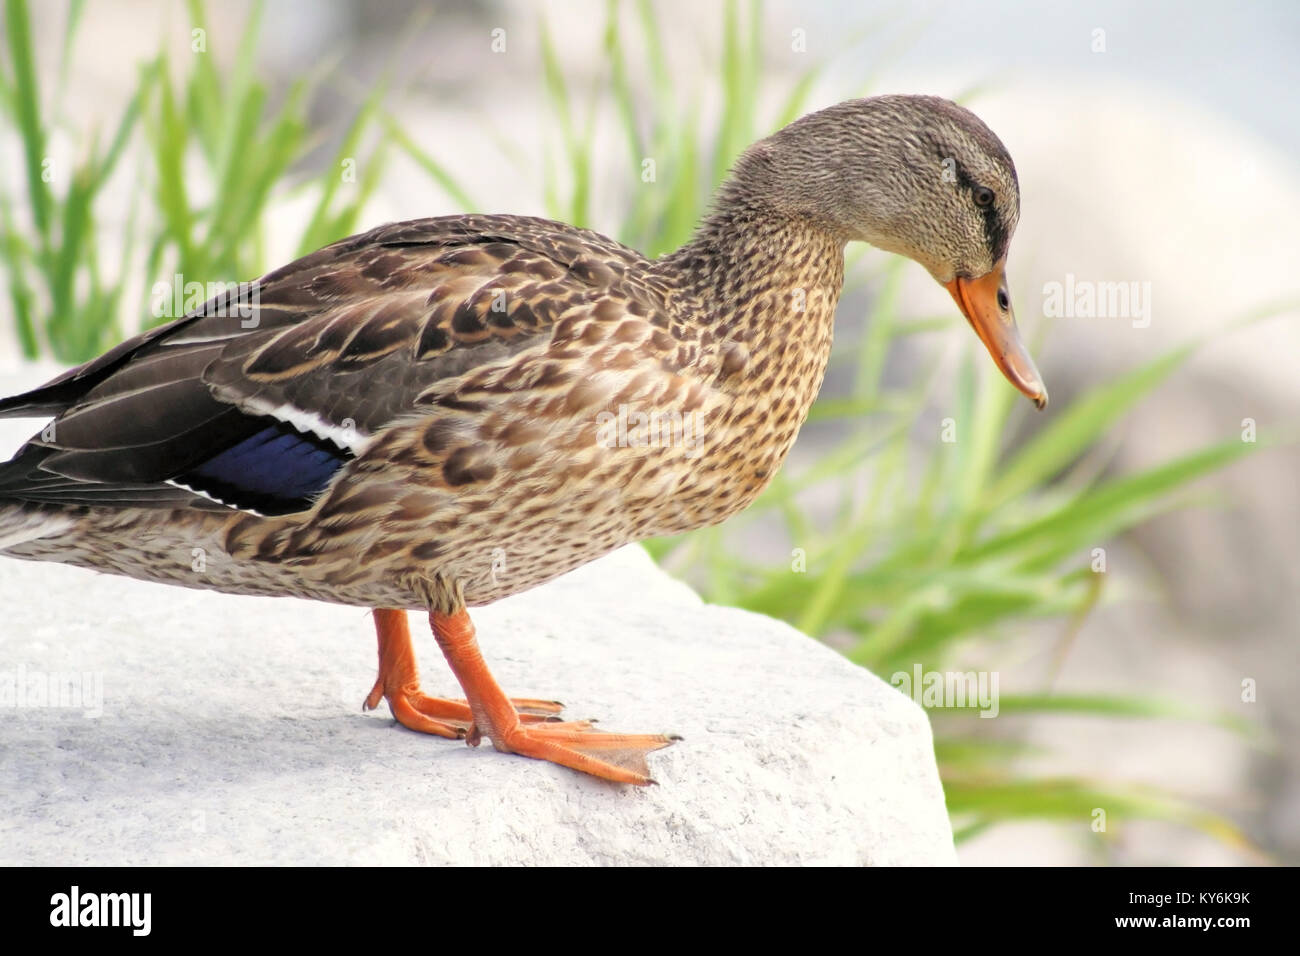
[(231, 732)]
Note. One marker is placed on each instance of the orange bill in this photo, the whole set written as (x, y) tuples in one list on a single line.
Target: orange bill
[(987, 306)]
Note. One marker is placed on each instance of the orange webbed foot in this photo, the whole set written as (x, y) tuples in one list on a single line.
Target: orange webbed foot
[(399, 683), (418, 711), (575, 744), (524, 726)]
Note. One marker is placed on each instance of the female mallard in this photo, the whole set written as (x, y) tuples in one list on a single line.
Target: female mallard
[(440, 413)]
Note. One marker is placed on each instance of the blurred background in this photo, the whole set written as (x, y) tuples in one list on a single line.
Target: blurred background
[(1127, 562)]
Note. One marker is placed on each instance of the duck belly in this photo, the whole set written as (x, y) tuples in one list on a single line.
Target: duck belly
[(177, 547)]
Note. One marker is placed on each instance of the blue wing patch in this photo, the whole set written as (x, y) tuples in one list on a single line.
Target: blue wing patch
[(277, 470)]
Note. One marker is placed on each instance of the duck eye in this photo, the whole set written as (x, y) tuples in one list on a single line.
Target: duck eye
[(983, 196)]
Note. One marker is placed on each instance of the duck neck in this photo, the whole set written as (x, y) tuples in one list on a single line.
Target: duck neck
[(747, 250), (764, 282), (754, 295)]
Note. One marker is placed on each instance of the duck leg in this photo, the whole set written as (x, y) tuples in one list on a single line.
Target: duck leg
[(617, 757), (399, 682)]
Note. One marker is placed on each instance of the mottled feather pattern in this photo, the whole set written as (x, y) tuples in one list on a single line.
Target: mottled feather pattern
[(440, 413), (481, 400), (474, 358)]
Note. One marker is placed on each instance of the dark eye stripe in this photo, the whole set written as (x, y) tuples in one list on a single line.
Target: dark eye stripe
[(995, 233)]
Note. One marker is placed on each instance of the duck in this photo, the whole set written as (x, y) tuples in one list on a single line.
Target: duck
[(439, 413)]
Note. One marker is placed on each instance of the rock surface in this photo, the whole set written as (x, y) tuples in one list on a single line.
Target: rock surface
[(229, 731)]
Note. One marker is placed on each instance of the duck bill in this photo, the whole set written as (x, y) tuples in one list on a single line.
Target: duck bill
[(980, 300)]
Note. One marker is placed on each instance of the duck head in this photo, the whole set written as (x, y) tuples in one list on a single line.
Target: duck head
[(919, 176)]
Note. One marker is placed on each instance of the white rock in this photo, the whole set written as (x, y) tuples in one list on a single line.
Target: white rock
[(230, 732)]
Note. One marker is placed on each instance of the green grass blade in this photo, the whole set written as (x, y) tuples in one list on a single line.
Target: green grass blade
[(17, 259), (1075, 801), (26, 93), (435, 170), (1095, 516), (121, 136), (1065, 438), (170, 137), (1109, 705), (76, 219)]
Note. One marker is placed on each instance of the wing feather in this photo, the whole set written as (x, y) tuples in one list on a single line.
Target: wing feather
[(331, 349)]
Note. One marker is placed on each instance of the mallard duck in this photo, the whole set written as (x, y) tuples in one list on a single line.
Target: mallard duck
[(436, 414)]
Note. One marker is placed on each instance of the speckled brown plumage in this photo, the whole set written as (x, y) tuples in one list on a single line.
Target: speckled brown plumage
[(443, 412), (483, 461)]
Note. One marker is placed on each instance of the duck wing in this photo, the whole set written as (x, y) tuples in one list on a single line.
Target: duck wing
[(257, 399)]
